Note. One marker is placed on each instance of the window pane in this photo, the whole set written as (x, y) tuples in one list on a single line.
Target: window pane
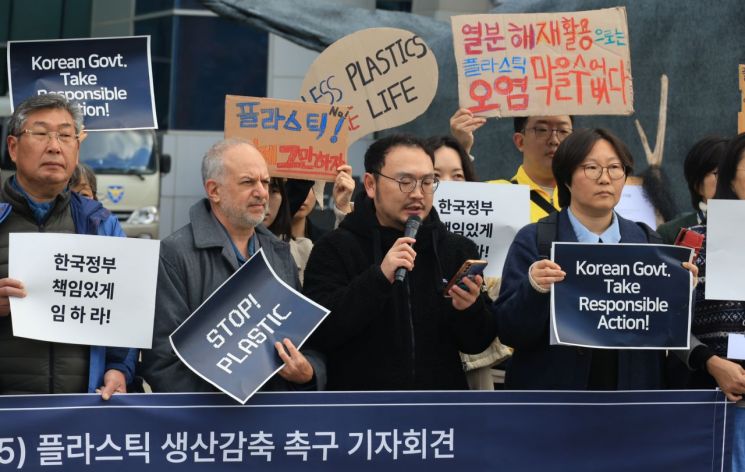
[(39, 19), (159, 30), (76, 22), (150, 6), (213, 57)]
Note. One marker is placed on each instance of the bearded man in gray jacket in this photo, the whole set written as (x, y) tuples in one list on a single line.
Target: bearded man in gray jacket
[(225, 231)]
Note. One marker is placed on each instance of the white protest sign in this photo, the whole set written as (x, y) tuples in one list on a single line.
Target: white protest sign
[(387, 77), (725, 250), (83, 289), (635, 206), (736, 346), (488, 214), (559, 63)]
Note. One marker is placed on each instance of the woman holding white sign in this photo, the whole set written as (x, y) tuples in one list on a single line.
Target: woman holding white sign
[(590, 168)]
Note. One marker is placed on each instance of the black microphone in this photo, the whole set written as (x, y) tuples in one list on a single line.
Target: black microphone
[(412, 226)]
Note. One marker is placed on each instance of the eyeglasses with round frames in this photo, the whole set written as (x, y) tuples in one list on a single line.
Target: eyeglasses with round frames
[(594, 171), (43, 137), (408, 184), (542, 132)]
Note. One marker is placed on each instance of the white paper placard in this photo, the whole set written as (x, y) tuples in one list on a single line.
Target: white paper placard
[(736, 346), (725, 250), (82, 289), (488, 214), (635, 206)]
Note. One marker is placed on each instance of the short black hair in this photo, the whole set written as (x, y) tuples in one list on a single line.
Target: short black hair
[(282, 224), (375, 154), (733, 154), (703, 158), (436, 142), (520, 121), (574, 149)]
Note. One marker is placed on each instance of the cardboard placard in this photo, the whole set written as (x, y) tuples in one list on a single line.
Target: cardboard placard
[(298, 140), (574, 63), (387, 77)]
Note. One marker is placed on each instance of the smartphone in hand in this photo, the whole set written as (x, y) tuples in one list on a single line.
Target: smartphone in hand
[(471, 268)]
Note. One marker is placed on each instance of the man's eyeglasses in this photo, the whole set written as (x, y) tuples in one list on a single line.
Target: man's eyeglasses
[(542, 132), (408, 184), (43, 137), (594, 171)]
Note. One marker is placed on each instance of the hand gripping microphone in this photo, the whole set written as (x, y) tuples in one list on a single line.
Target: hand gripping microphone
[(412, 226)]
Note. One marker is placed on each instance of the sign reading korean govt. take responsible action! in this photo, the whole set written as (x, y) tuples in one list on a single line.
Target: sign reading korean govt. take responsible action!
[(575, 63), (109, 78), (632, 296)]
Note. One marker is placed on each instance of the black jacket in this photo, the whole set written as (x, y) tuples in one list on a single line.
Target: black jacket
[(383, 336), (523, 317)]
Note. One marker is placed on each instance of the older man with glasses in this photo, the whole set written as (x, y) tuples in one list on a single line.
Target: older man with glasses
[(385, 333), (43, 142)]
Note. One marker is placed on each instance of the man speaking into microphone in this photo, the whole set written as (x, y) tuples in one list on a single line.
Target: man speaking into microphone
[(382, 274)]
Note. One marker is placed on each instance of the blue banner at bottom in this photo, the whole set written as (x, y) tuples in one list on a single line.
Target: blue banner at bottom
[(471, 431)]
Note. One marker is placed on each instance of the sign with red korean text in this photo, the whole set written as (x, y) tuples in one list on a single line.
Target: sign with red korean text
[(387, 77), (297, 139), (574, 63)]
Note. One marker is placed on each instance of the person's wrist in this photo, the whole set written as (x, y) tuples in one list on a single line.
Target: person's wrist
[(538, 288)]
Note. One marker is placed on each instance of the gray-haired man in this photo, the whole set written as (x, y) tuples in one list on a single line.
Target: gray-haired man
[(225, 230), (43, 143)]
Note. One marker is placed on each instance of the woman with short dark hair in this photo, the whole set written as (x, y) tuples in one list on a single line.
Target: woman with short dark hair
[(590, 167), (700, 170)]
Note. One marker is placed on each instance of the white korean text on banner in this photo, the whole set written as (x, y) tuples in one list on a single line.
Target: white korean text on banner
[(370, 431)]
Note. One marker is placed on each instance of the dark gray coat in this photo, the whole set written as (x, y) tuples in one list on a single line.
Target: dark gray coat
[(194, 262)]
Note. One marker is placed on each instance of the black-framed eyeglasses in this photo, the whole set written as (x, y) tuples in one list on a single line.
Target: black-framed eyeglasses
[(408, 184), (543, 132), (595, 171), (43, 137)]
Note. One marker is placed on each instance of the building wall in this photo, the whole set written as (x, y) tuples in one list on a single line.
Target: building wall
[(180, 31)]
